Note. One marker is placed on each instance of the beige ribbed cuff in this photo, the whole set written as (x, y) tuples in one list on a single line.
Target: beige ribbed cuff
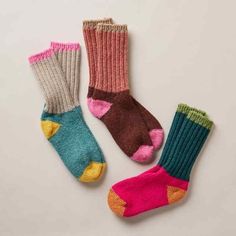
[(51, 79), (68, 57)]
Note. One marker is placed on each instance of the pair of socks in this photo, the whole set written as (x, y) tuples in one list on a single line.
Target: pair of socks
[(136, 131), (168, 181), (57, 71)]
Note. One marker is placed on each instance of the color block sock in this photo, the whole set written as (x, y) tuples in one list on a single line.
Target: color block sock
[(89, 30), (163, 184), (62, 121)]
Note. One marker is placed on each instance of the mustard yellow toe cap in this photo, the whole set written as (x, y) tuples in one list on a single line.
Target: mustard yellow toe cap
[(92, 172)]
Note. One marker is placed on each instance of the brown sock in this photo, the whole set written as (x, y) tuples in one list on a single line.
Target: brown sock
[(153, 126), (109, 97)]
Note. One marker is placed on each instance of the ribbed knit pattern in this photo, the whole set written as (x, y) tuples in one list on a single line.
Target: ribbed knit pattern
[(52, 81), (180, 115), (112, 44), (187, 145), (68, 56), (89, 31)]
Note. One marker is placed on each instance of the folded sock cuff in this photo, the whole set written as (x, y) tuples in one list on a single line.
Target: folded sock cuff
[(111, 27), (184, 108), (93, 23), (40, 56), (200, 119)]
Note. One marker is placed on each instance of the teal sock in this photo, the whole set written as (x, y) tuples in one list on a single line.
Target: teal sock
[(62, 121)]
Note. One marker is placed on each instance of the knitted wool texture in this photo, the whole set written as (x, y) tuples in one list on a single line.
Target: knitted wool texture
[(57, 70), (133, 128), (168, 181)]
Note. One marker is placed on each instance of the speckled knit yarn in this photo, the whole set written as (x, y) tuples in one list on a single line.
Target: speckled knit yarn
[(62, 120), (168, 181), (133, 128)]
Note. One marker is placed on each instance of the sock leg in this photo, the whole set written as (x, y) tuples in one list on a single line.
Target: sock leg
[(89, 32)]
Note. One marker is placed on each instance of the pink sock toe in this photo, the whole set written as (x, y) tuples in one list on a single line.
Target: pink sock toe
[(157, 136), (143, 154)]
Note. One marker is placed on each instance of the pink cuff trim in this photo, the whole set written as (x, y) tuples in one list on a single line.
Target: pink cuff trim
[(40, 56), (65, 46)]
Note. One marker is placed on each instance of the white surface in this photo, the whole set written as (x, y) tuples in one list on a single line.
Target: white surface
[(180, 51)]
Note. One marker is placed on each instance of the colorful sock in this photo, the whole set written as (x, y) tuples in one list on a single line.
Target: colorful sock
[(62, 121), (168, 182), (109, 89), (153, 126)]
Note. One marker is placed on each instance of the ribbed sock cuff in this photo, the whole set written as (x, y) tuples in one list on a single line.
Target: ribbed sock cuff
[(65, 46), (111, 28), (184, 108), (40, 56), (92, 24), (200, 119)]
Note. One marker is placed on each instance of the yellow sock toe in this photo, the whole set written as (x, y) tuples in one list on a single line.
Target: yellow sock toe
[(92, 172)]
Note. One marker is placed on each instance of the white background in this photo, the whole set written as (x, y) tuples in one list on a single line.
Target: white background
[(180, 51)]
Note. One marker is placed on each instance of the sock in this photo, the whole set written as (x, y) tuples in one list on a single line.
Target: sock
[(62, 121), (168, 182), (153, 126), (109, 99)]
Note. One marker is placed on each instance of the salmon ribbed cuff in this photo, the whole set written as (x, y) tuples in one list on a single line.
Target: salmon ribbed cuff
[(92, 24), (111, 28)]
